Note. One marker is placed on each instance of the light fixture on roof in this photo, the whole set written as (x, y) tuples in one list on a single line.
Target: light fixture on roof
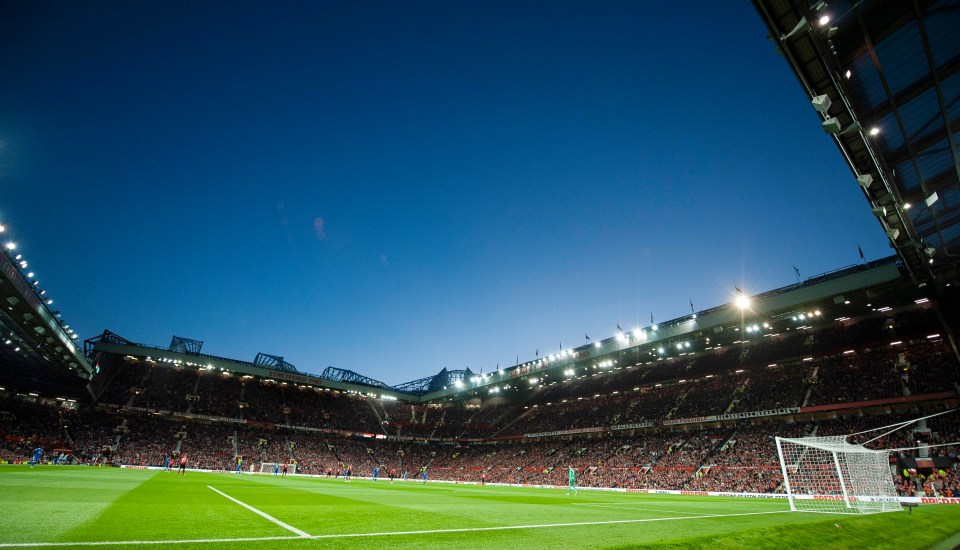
[(2, 228), (880, 211), (11, 246), (932, 198), (832, 125), (930, 251), (874, 131), (865, 181), (824, 19), (893, 234), (821, 103), (801, 26)]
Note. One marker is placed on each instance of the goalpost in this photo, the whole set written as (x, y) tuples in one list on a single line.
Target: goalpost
[(267, 468), (827, 474)]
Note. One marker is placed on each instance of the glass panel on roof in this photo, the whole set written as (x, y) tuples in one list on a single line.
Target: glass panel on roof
[(935, 160), (902, 57), (921, 115), (865, 84), (940, 22), (906, 176)]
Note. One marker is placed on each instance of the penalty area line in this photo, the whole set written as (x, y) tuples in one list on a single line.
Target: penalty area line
[(262, 514)]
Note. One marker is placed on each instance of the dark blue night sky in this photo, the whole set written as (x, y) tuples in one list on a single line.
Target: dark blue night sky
[(398, 187)]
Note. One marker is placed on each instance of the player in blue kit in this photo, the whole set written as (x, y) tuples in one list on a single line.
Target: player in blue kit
[(376, 472), (37, 455)]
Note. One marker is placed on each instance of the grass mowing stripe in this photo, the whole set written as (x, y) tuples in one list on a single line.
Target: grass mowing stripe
[(138, 542), (370, 535), (632, 508), (261, 514), (535, 526)]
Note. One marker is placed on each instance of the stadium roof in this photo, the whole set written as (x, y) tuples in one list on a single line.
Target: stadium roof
[(37, 349), (885, 79)]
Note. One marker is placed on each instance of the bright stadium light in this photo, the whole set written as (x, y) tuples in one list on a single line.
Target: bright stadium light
[(2, 228), (11, 246), (597, 344), (654, 327), (874, 131), (742, 301)]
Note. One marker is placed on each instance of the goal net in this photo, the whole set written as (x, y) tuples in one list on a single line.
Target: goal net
[(827, 474), (267, 468)]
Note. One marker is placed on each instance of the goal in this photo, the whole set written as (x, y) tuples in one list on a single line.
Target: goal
[(830, 475), (267, 468)]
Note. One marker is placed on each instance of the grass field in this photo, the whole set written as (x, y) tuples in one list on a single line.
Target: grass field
[(63, 507)]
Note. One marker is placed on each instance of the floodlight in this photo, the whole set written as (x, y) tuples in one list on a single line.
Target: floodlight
[(742, 301), (893, 234), (11, 246), (880, 211), (597, 344), (865, 180), (874, 131), (932, 198), (654, 327), (2, 228), (824, 19), (930, 251)]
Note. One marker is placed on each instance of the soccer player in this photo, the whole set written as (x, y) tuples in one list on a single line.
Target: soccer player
[(424, 474), (347, 472), (284, 469), (166, 465), (37, 455), (572, 474), (239, 464), (183, 465), (376, 472), (276, 470), (483, 478), (393, 474)]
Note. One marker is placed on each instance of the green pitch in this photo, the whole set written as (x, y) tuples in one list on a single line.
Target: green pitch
[(53, 507)]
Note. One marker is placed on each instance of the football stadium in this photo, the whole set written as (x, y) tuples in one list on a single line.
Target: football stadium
[(825, 412)]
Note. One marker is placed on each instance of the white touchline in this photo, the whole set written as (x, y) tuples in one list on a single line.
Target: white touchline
[(138, 542), (382, 534), (262, 514)]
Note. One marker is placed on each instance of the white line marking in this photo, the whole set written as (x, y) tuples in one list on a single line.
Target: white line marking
[(138, 542), (262, 514), (540, 526), (382, 534), (633, 508)]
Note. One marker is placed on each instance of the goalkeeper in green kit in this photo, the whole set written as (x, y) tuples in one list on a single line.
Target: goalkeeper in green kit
[(573, 481)]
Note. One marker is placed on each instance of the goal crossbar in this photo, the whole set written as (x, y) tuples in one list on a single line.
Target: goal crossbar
[(827, 474)]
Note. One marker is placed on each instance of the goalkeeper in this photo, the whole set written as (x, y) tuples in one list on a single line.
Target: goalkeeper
[(572, 474)]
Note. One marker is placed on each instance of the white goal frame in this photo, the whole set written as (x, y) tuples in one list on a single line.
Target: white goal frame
[(830, 475), (267, 468)]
